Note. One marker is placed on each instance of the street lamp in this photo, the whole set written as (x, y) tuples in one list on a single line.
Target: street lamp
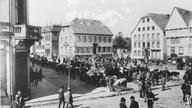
[(69, 74)]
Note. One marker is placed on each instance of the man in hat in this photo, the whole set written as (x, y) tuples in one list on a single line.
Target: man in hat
[(188, 93), (61, 96), (134, 104), (69, 98), (122, 104), (183, 88), (150, 98)]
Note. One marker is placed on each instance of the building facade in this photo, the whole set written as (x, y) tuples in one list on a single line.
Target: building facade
[(48, 46), (179, 33), (149, 33), (76, 39), (16, 37)]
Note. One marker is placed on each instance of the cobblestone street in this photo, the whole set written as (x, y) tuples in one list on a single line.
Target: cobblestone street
[(170, 98)]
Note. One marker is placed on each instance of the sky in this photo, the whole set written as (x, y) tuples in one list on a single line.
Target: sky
[(118, 15)]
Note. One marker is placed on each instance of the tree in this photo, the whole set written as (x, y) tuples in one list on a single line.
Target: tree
[(128, 45), (119, 41)]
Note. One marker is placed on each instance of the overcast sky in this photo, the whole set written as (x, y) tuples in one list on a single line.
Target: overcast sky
[(118, 15)]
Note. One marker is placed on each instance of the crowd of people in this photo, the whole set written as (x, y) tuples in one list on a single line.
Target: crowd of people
[(114, 73)]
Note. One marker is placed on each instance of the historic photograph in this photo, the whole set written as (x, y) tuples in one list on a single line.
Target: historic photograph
[(96, 53)]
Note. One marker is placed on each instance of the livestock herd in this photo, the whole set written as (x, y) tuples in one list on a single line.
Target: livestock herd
[(112, 75)]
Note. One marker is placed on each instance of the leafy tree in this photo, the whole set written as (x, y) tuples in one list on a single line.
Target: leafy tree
[(128, 45), (119, 41)]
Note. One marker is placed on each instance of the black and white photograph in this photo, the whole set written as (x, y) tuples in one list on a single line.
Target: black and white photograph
[(96, 53)]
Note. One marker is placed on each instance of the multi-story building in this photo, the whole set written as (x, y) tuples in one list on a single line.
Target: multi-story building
[(179, 33), (49, 45), (77, 38), (16, 36), (149, 33)]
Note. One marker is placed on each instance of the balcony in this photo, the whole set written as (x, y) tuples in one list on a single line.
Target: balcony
[(24, 31)]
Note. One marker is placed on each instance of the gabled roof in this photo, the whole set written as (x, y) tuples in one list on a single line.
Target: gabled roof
[(89, 26), (160, 19), (185, 14)]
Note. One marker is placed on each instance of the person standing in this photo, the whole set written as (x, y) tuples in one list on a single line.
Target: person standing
[(69, 98), (122, 104), (21, 99), (15, 103), (163, 80), (134, 104), (141, 88), (183, 88), (188, 93), (150, 97), (61, 96)]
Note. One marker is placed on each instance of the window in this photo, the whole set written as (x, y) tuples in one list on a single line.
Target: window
[(135, 44), (104, 39), (190, 38), (153, 44), (135, 37), (143, 36), (94, 39), (109, 39), (148, 19), (158, 44), (190, 48), (143, 44), (148, 36), (143, 20), (139, 37), (135, 52), (177, 40), (90, 38), (148, 44), (139, 44), (99, 49), (172, 40), (143, 53), (104, 49), (78, 50), (157, 36), (172, 50), (139, 53), (148, 28), (153, 27), (99, 39), (139, 29), (180, 50), (143, 28), (108, 49), (153, 35), (84, 38), (88, 50)]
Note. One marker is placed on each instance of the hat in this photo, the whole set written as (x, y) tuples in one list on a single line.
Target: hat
[(132, 97), (123, 99)]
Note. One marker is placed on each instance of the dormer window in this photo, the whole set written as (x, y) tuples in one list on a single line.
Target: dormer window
[(148, 19), (139, 29), (143, 20)]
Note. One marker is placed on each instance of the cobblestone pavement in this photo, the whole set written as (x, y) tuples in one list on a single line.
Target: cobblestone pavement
[(51, 76), (170, 98)]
